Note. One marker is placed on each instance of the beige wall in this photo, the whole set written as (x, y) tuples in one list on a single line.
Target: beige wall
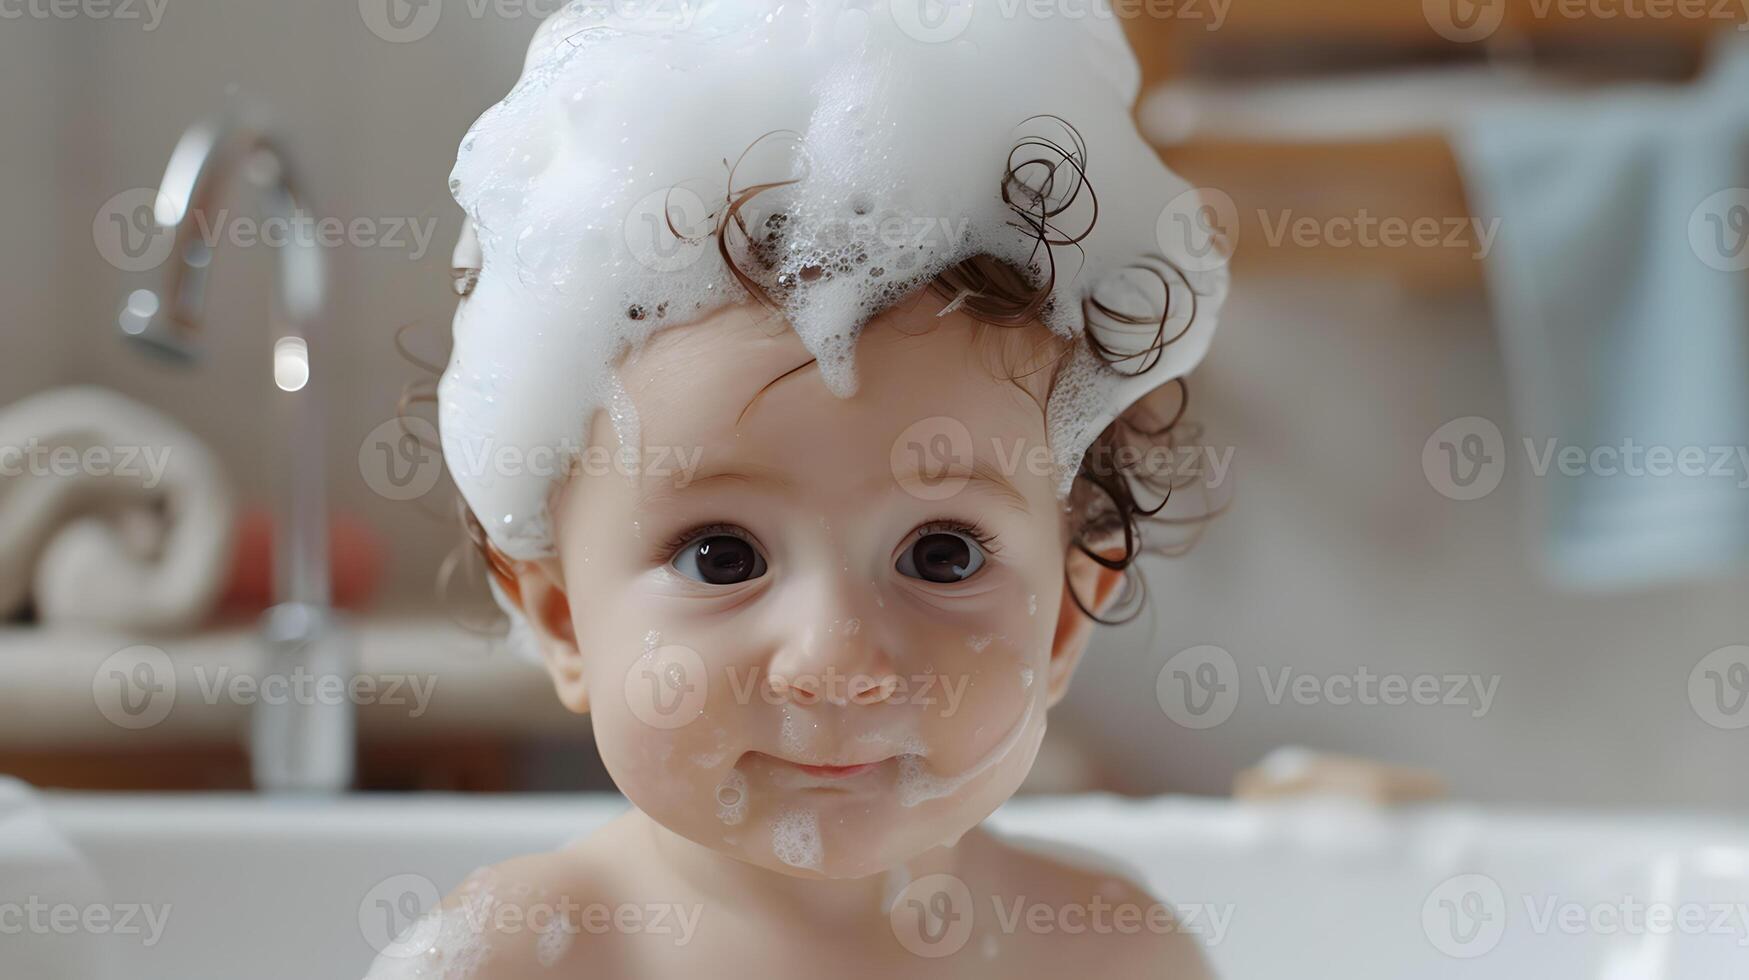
[(34, 237), (1338, 554)]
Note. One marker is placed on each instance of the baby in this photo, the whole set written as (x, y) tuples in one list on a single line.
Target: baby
[(808, 489)]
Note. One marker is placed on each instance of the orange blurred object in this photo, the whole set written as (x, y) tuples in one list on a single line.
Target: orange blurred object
[(355, 559)]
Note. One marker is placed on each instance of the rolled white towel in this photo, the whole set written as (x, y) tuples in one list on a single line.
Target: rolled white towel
[(111, 514)]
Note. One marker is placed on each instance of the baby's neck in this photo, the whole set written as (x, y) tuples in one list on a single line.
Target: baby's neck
[(733, 881)]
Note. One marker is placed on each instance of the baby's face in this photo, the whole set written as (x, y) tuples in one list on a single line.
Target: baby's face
[(817, 633)]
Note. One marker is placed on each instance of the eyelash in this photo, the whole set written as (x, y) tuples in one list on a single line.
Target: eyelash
[(670, 549), (985, 540)]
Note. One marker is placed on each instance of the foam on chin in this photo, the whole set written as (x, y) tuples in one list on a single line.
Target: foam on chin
[(622, 130)]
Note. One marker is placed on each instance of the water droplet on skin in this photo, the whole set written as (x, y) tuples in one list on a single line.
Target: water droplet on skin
[(731, 798)]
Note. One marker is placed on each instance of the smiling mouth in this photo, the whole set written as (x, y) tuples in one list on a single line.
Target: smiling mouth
[(830, 772)]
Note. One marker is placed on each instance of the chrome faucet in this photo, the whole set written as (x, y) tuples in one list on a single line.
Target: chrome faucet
[(304, 740)]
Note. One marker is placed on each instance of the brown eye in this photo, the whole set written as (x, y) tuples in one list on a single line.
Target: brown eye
[(720, 559), (943, 557)]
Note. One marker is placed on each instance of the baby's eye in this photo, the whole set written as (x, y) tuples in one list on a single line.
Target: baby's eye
[(717, 557), (942, 555)]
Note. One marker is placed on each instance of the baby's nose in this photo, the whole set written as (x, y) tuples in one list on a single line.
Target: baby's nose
[(837, 689), (838, 662)]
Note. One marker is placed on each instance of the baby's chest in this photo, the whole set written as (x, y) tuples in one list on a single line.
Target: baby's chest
[(738, 944)]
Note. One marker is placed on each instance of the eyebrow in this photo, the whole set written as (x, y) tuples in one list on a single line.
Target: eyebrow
[(983, 474), (670, 487)]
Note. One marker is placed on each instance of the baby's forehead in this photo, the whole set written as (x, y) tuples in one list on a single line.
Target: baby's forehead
[(743, 369)]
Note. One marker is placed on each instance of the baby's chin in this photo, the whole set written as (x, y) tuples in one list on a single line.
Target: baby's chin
[(822, 836), (844, 851)]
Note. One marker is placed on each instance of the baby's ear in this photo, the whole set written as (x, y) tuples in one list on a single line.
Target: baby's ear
[(1098, 588), (541, 593)]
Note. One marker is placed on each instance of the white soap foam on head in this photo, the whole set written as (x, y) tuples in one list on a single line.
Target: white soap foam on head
[(595, 188)]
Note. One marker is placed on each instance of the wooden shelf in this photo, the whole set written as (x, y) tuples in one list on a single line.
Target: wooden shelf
[(1411, 176)]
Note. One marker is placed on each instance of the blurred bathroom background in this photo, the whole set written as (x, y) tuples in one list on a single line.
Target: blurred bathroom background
[(1468, 238)]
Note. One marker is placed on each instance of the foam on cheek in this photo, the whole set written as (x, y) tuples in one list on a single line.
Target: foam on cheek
[(596, 186), (919, 783), (795, 839), (791, 734)]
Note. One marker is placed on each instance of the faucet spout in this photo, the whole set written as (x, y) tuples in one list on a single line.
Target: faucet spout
[(294, 746)]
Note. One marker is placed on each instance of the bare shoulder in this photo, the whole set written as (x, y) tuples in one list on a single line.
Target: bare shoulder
[(522, 918), (1073, 899)]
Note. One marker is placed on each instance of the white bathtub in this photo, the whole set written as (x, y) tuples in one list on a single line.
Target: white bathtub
[(269, 890)]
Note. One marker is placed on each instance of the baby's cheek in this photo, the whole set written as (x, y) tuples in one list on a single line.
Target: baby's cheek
[(983, 685), (665, 723)]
